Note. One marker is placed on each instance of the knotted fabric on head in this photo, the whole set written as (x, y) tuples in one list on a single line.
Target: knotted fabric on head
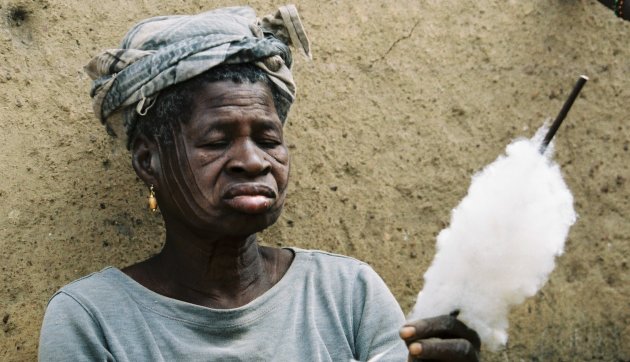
[(162, 51)]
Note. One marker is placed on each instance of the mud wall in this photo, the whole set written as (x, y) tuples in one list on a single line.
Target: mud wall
[(402, 103)]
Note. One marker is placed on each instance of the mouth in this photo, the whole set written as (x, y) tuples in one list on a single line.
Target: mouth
[(250, 198)]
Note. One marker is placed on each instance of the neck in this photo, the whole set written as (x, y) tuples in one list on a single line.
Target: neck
[(223, 272), (230, 263)]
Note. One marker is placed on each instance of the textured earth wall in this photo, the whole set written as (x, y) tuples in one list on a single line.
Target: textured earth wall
[(402, 103)]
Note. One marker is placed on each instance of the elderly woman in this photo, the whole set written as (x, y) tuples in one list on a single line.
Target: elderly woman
[(204, 99)]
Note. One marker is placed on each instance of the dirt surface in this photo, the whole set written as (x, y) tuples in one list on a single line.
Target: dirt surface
[(402, 103)]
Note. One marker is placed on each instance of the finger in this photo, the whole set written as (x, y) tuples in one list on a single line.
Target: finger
[(408, 332), (446, 326), (456, 350), (415, 350)]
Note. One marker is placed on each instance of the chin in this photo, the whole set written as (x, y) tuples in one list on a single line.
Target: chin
[(248, 224)]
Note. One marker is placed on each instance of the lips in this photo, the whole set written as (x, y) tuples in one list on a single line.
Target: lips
[(250, 198)]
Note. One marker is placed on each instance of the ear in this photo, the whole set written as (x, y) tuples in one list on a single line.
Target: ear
[(146, 160)]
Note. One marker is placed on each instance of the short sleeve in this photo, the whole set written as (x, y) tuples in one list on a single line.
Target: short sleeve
[(379, 319), (69, 333)]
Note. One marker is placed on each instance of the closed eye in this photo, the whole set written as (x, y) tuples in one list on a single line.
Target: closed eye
[(268, 143), (216, 145)]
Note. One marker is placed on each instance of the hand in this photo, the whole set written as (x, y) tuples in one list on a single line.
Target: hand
[(442, 338)]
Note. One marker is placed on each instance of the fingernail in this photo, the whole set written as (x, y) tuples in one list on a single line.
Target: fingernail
[(415, 349), (406, 332)]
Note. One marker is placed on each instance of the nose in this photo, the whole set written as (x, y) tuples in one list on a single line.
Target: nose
[(247, 159)]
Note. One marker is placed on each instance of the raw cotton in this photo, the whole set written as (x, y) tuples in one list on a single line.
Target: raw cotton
[(501, 243)]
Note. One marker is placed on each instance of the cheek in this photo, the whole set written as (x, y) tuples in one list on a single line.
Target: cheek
[(205, 168), (280, 155), (282, 179), (208, 181), (193, 174), (282, 167)]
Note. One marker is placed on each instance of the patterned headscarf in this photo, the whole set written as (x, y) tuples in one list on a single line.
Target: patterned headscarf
[(162, 51)]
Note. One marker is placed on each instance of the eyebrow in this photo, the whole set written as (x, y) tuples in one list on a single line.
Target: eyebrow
[(259, 124), (267, 124)]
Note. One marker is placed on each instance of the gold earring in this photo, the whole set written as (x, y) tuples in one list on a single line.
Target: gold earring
[(152, 200)]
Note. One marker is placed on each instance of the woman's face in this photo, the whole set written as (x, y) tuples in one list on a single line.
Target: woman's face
[(229, 169)]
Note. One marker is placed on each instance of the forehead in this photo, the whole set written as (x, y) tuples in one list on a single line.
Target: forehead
[(226, 103)]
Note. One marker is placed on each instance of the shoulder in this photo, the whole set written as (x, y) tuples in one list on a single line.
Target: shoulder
[(99, 278), (90, 294), (345, 274), (98, 283), (324, 259), (71, 329), (337, 270), (364, 298)]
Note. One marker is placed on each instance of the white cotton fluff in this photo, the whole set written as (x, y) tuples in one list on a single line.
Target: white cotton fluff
[(500, 246)]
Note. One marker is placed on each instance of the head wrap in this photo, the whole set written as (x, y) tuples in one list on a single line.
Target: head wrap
[(162, 51)]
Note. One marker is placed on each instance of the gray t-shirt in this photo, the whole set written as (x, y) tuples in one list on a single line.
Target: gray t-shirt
[(326, 308)]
